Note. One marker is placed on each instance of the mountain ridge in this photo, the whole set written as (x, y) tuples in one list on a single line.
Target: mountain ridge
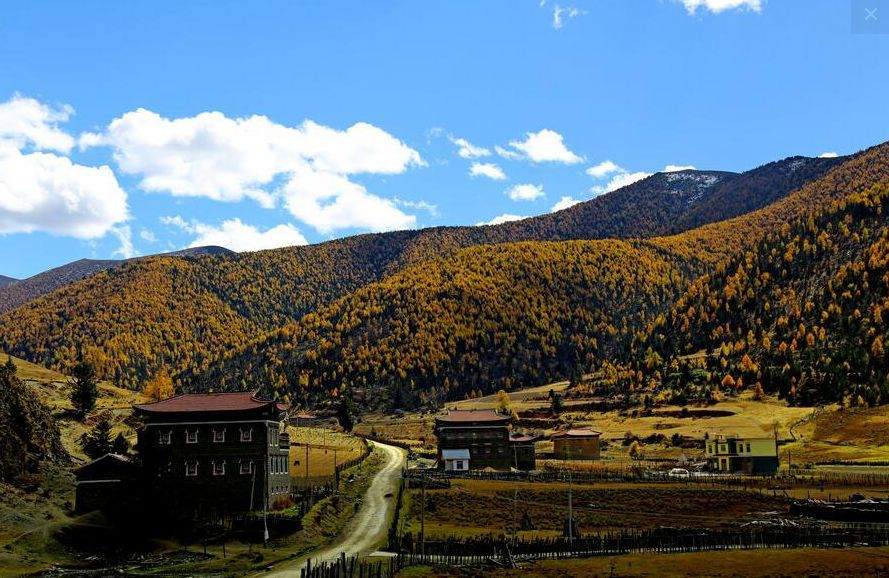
[(17, 292), (122, 317), (411, 332)]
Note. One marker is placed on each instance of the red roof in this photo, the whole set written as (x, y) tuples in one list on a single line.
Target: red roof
[(522, 437), (472, 415), (192, 402), (576, 433)]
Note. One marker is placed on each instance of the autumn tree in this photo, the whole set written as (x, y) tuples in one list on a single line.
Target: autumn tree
[(504, 404), (160, 386)]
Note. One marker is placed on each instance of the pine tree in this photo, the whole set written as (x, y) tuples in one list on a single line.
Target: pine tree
[(120, 445), (345, 413), (556, 404), (84, 390), (98, 442)]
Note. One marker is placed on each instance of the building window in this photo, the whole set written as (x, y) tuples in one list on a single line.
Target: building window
[(218, 436), (219, 468), (165, 438), (191, 469), (748, 448), (247, 435), (246, 467), (273, 437), (191, 437)]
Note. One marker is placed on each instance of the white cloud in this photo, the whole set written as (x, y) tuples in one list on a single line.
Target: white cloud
[(238, 236), (499, 219), (508, 154), (677, 168), (430, 208), (717, 6), (226, 159), (329, 202), (148, 236), (27, 122), (564, 203), (828, 155), (467, 150), (544, 146), (47, 192), (560, 15), (489, 170), (602, 169), (525, 192), (125, 236)]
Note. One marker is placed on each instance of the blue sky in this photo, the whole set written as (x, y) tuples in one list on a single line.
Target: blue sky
[(133, 128)]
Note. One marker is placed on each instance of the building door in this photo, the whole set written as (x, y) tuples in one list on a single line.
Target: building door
[(723, 464)]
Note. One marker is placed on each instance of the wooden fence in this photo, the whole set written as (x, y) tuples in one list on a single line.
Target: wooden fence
[(470, 551), (810, 478)]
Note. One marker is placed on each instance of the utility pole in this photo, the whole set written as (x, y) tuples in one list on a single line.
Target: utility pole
[(307, 462), (570, 503), (515, 498), (423, 520)]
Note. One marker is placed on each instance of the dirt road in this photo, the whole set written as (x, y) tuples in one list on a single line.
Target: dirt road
[(368, 528)]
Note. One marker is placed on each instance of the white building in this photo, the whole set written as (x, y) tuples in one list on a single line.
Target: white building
[(455, 460)]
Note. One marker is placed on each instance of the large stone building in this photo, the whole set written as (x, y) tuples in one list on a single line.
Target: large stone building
[(482, 439), (757, 455), (216, 452), (576, 444)]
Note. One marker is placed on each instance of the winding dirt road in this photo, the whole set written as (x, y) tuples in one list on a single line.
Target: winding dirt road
[(368, 528)]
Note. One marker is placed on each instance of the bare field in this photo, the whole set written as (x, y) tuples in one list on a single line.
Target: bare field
[(414, 430), (473, 507), (812, 562), (326, 449)]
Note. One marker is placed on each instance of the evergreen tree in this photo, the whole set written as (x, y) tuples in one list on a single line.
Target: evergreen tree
[(555, 402), (345, 412), (84, 390), (120, 445), (98, 442)]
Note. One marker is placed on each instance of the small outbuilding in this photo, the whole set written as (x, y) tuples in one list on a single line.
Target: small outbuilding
[(455, 460), (576, 444), (105, 483)]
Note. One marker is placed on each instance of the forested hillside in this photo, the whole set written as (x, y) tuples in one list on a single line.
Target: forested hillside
[(487, 317), (800, 314), (511, 314), (140, 315), (15, 293), (28, 433)]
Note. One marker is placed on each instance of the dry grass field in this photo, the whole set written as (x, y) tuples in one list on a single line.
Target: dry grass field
[(472, 507), (848, 562), (413, 429), (326, 449)]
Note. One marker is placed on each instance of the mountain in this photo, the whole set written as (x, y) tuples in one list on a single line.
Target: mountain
[(800, 314), (188, 312), (515, 313), (15, 293), (4, 281)]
